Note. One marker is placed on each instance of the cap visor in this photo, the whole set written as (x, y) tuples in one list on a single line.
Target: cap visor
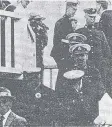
[(74, 74)]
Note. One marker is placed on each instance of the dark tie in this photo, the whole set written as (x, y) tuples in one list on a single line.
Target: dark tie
[(1, 120)]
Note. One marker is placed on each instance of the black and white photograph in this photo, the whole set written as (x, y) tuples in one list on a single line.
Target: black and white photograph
[(55, 63)]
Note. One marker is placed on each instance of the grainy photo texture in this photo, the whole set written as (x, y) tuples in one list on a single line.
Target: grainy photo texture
[(55, 63)]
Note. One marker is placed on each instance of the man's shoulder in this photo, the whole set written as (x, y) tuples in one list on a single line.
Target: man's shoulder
[(44, 90), (80, 29), (61, 21), (107, 12), (97, 30), (18, 118), (91, 68)]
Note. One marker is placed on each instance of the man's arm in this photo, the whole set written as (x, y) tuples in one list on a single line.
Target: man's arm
[(60, 49), (57, 34), (105, 47)]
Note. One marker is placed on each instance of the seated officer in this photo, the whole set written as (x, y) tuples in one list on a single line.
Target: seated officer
[(66, 62), (76, 104), (62, 28)]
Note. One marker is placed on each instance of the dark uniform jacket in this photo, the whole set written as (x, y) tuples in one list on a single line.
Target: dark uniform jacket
[(105, 24), (100, 50), (79, 108), (60, 51), (98, 42)]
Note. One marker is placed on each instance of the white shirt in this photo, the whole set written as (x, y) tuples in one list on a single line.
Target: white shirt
[(6, 116)]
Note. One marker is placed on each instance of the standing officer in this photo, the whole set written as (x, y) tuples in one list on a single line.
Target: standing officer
[(100, 49), (76, 103), (62, 28), (105, 23)]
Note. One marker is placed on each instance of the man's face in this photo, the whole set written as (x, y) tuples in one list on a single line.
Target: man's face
[(80, 59), (90, 20), (74, 24), (25, 3), (71, 9), (5, 105)]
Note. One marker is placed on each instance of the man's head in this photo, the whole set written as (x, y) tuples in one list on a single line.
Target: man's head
[(6, 100), (80, 54), (90, 15), (35, 16), (35, 19), (101, 5), (74, 23), (71, 7)]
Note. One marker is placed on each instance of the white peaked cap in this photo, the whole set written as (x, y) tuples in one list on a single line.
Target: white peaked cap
[(74, 74)]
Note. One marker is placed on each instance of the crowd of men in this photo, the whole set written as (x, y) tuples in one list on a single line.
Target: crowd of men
[(87, 49), (83, 57)]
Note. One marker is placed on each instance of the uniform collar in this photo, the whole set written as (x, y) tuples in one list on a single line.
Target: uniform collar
[(7, 114), (66, 16), (89, 26), (78, 87)]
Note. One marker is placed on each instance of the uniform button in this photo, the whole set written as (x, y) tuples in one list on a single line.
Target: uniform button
[(60, 104), (73, 101), (81, 99), (89, 80), (92, 52), (90, 35)]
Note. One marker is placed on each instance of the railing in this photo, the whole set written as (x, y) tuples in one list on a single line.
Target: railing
[(50, 76), (7, 36), (17, 53)]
